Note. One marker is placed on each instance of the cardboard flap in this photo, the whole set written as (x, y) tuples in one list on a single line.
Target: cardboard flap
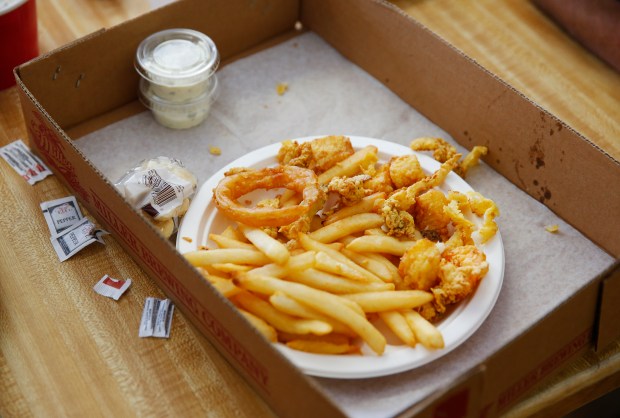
[(609, 309)]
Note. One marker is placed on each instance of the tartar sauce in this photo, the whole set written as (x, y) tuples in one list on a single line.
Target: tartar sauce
[(178, 82)]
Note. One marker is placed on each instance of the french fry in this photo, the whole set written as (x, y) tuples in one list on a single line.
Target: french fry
[(375, 267), (379, 244), (290, 198), (201, 258), (271, 247), (233, 233), (226, 242), (263, 327), (293, 307), (278, 319), (224, 286), (321, 347), (324, 302), (326, 263), (320, 344), (230, 267), (347, 226), (399, 326), (301, 261), (365, 205), (425, 332), (375, 231), (389, 266), (351, 165), (390, 300), (336, 284), (311, 245)]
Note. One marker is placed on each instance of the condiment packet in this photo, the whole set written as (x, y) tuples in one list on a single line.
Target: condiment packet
[(156, 318), (28, 165), (111, 288), (80, 235), (61, 214)]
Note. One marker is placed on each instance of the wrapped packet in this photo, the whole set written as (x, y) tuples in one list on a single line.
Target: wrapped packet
[(28, 165), (79, 236), (161, 187), (61, 214)]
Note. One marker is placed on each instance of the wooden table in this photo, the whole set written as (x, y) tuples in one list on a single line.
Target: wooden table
[(65, 351)]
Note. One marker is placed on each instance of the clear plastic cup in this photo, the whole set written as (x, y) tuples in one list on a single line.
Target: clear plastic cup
[(177, 63), (179, 115)]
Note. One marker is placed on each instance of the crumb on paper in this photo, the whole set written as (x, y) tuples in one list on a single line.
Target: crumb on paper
[(188, 239), (282, 88), (552, 228), (203, 247), (215, 150)]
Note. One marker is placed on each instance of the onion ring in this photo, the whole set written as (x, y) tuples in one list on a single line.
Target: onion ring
[(237, 183)]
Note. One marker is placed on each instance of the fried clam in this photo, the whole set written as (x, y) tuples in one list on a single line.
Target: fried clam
[(350, 189), (318, 155), (443, 151), (240, 182)]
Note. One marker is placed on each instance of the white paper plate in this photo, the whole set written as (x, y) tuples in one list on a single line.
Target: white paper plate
[(203, 217)]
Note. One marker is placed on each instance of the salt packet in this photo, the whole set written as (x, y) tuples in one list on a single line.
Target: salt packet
[(27, 165), (111, 288), (61, 214), (74, 239), (156, 318)]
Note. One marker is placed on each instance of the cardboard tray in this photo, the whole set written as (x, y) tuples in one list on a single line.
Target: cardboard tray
[(534, 150)]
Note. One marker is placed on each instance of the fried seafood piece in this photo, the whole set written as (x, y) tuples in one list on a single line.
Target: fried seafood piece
[(292, 230), (472, 159), (303, 224), (238, 183), (395, 209), (350, 189), (380, 180), (319, 154), (419, 266), (405, 170), (294, 153), (434, 180), (429, 215), (463, 228), (460, 272), (486, 208), (442, 150), (398, 221), (481, 206)]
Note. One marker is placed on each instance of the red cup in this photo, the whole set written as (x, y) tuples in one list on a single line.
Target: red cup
[(18, 37)]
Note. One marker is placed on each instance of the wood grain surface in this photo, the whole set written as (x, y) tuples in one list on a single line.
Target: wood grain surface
[(66, 351)]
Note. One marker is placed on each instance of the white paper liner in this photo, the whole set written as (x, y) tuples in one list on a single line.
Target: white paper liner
[(329, 95)]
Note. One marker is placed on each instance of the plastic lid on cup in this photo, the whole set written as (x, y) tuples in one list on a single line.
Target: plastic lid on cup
[(177, 57)]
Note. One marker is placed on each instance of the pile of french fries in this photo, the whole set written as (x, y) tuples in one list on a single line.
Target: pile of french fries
[(325, 296)]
